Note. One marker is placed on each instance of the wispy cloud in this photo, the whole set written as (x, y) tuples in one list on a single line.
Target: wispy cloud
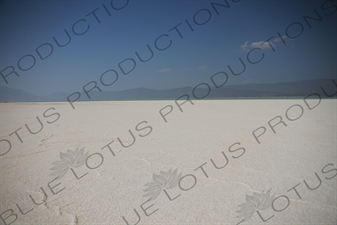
[(244, 47), (203, 67), (258, 44), (165, 70), (187, 69), (263, 44), (276, 40)]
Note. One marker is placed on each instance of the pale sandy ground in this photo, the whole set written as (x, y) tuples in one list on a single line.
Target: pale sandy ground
[(188, 140)]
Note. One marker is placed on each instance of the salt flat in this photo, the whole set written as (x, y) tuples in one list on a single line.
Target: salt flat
[(200, 166)]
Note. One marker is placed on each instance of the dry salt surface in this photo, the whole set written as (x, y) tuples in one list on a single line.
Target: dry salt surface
[(210, 143)]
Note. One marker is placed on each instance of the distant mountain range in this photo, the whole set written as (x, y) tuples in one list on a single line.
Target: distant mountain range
[(277, 90)]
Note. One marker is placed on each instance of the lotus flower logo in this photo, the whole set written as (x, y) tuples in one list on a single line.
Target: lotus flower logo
[(162, 181), (257, 201), (68, 160)]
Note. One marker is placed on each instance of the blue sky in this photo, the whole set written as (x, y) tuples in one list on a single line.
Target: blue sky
[(210, 48)]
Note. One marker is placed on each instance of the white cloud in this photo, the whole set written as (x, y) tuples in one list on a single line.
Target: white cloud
[(262, 45), (244, 46), (165, 70), (258, 44)]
